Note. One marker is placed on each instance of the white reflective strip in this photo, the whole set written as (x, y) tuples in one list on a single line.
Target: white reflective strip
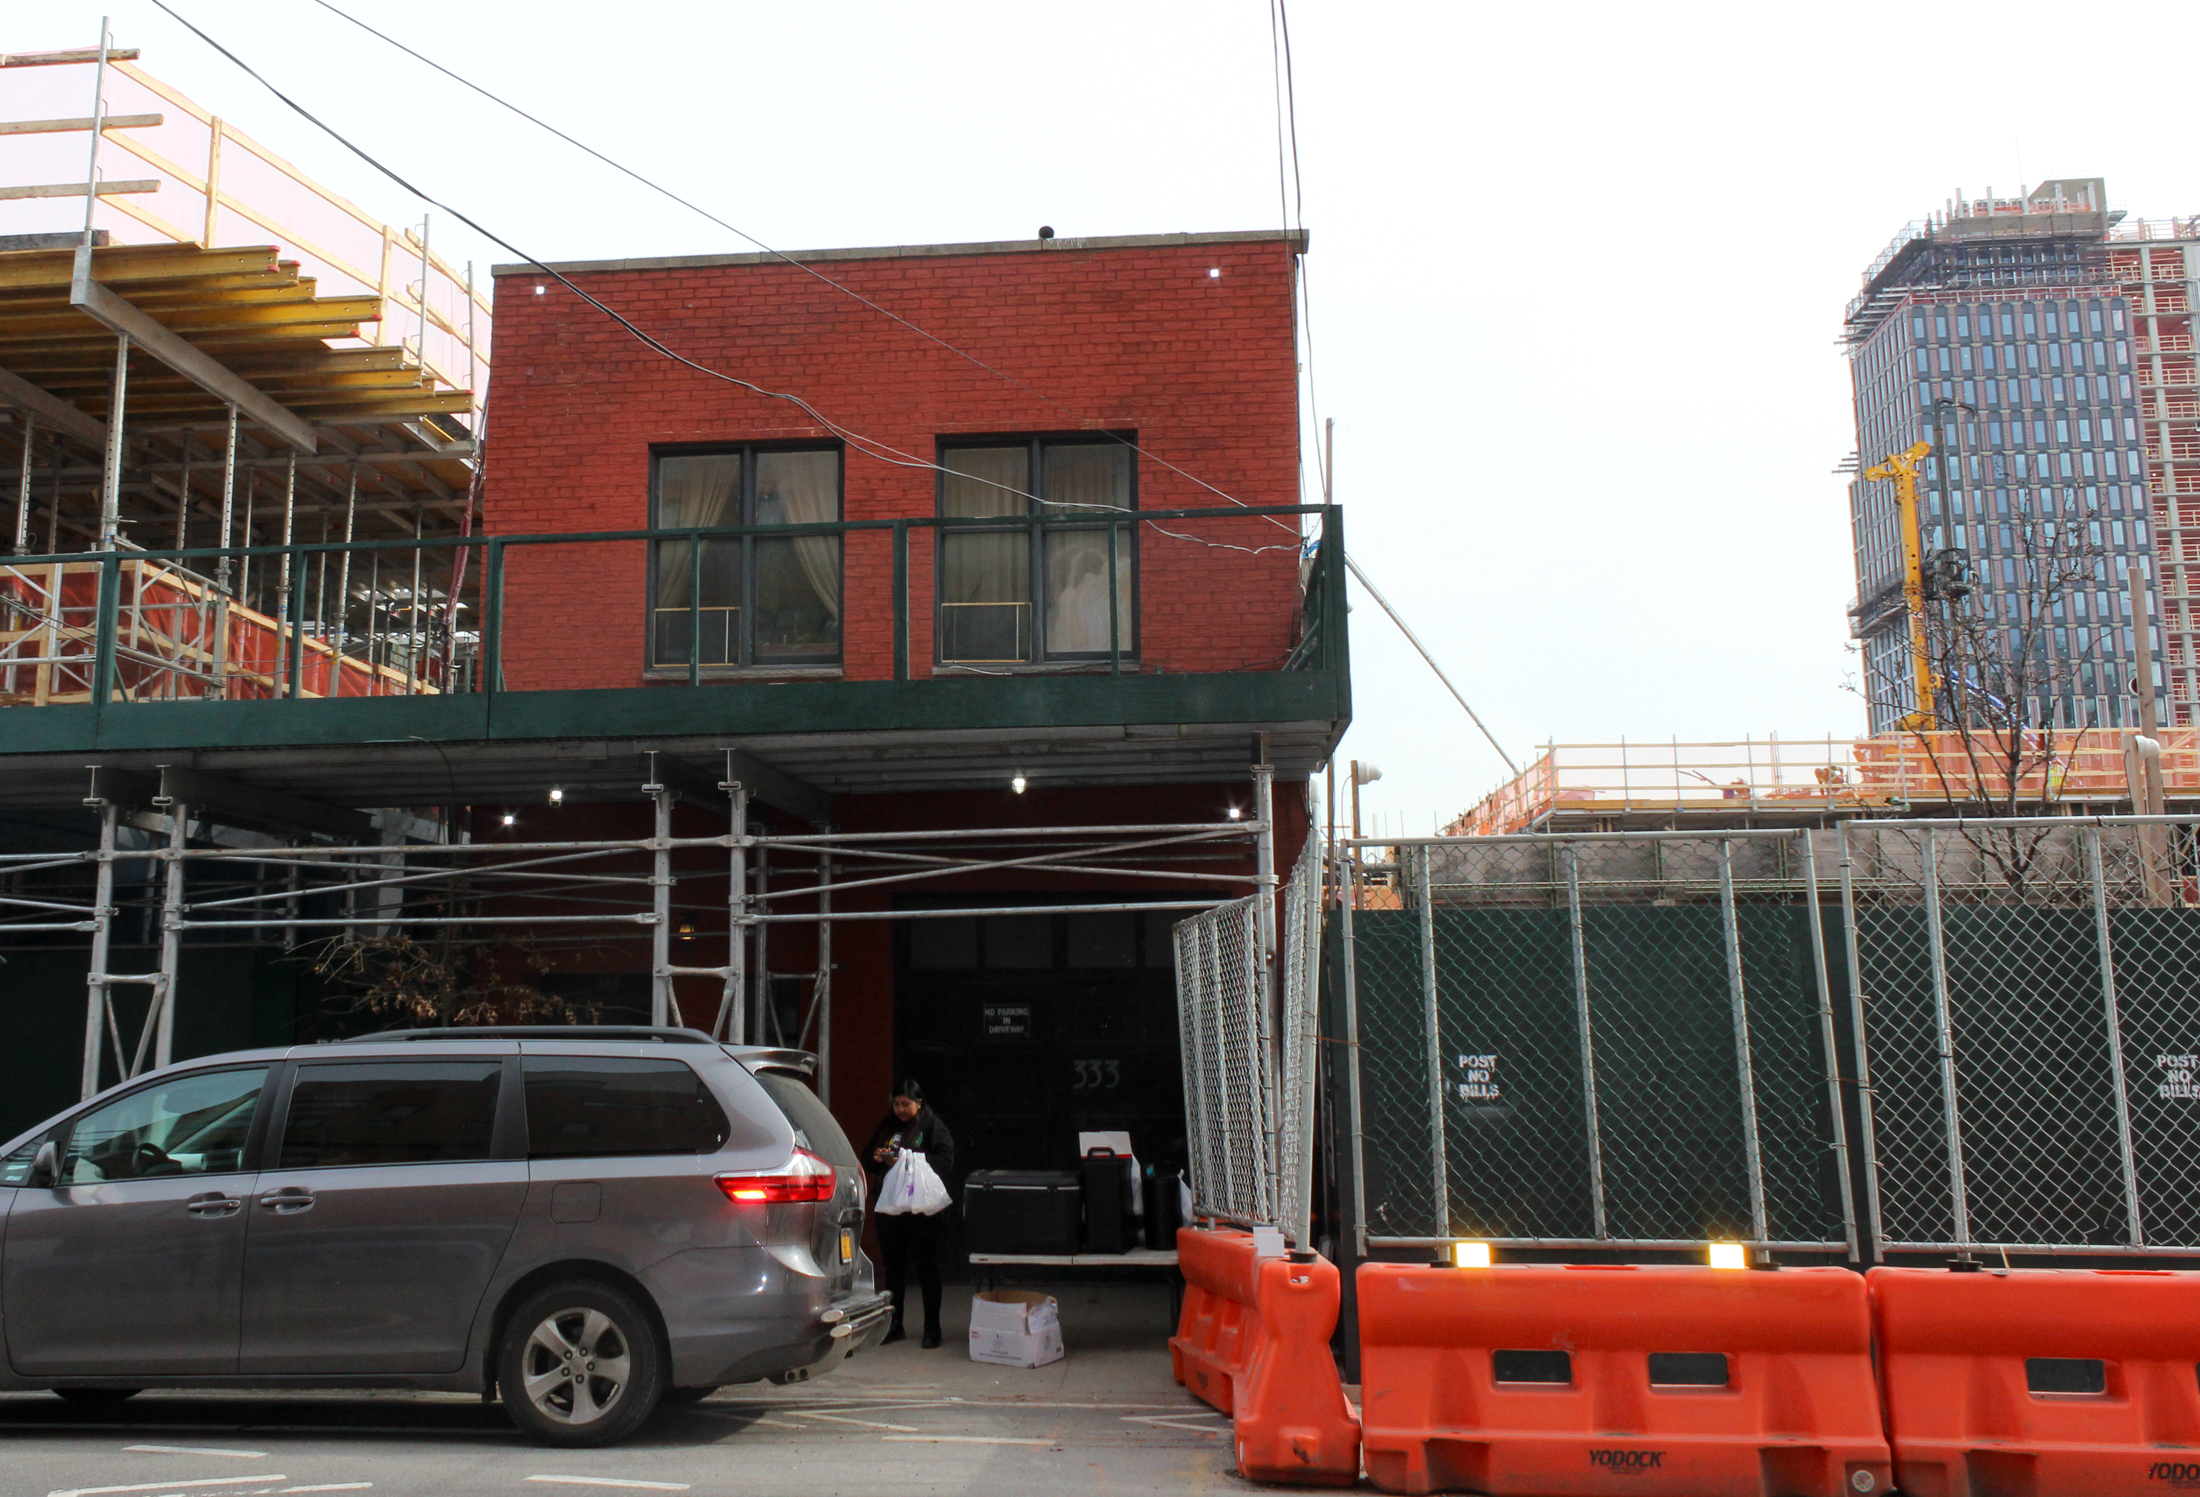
[(613, 1481)]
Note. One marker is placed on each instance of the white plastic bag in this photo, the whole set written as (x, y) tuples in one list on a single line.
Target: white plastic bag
[(912, 1188)]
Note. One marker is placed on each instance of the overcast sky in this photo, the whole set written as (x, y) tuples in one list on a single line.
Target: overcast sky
[(1577, 271)]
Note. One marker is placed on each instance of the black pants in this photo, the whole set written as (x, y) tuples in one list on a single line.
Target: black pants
[(912, 1242)]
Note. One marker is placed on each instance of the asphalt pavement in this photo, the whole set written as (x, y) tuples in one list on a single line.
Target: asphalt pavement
[(897, 1420)]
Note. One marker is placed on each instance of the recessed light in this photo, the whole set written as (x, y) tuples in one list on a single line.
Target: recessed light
[(509, 818), (1017, 784), (557, 797)]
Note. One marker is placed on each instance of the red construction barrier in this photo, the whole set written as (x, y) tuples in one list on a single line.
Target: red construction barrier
[(1679, 1382), (1292, 1422), (1219, 1326), (2040, 1381), (1253, 1341)]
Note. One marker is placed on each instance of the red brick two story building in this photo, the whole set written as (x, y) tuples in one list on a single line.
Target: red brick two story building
[(919, 469)]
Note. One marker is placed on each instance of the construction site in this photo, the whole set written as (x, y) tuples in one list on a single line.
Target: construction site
[(712, 650)]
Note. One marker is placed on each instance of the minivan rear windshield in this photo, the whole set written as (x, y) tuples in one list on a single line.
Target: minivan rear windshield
[(814, 1126)]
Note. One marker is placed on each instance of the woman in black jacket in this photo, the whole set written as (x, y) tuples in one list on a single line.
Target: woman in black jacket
[(911, 1241)]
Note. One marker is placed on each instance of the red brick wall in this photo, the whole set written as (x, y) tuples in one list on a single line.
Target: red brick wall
[(1202, 368)]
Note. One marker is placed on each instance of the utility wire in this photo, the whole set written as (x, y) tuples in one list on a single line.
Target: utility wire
[(1377, 594), (806, 269)]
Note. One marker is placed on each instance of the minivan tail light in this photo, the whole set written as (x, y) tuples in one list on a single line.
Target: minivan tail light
[(805, 1178)]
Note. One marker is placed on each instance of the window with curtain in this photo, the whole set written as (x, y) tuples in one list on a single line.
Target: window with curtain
[(1032, 585), (746, 600)]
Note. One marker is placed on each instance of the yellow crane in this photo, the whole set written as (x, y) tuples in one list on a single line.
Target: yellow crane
[(1902, 468)]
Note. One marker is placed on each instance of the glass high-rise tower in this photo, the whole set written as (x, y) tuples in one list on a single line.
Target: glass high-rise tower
[(2044, 347)]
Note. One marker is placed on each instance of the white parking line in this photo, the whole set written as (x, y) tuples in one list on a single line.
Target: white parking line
[(613, 1481), (170, 1486), (334, 1486), (243, 1455), (966, 1440), (844, 1419)]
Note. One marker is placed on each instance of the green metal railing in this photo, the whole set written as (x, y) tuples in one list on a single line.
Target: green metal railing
[(1319, 647)]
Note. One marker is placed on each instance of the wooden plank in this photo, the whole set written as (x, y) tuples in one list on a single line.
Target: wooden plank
[(76, 189), (57, 59), (57, 127), (51, 409), (117, 264), (203, 370)]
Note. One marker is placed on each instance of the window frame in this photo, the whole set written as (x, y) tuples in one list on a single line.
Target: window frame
[(1037, 523), (274, 1091), (747, 656), (507, 1131)]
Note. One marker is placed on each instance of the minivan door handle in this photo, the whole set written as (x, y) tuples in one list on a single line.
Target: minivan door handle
[(288, 1201), (213, 1203)]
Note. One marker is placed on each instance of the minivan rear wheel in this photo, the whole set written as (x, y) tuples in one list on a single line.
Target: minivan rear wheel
[(580, 1365)]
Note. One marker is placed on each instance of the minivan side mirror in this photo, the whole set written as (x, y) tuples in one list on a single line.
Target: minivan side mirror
[(45, 1167)]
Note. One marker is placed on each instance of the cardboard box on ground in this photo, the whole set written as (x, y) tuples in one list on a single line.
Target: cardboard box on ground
[(1015, 1328)]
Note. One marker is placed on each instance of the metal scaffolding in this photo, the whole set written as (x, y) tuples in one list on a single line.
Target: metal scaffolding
[(559, 891)]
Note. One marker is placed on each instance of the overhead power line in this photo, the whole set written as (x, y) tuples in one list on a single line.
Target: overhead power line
[(807, 269)]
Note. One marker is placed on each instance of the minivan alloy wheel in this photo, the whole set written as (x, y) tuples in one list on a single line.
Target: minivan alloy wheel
[(576, 1365)]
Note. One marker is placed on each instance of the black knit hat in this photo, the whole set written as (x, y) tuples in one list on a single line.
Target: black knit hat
[(910, 1089)]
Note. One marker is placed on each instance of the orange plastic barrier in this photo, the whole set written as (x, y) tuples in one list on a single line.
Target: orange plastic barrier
[(1219, 1326), (1679, 1382), (1253, 1341), (2040, 1381), (1292, 1422)]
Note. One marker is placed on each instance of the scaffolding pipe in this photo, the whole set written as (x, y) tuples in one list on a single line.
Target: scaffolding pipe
[(229, 501), (286, 643), (729, 1024), (23, 496), (663, 1008), (171, 931), (821, 1002), (110, 480), (767, 1013), (343, 586), (95, 981)]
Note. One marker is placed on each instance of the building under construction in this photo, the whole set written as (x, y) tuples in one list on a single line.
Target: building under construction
[(900, 721), (2042, 346)]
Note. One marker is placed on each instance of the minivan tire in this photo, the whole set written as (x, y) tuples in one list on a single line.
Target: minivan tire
[(580, 1365)]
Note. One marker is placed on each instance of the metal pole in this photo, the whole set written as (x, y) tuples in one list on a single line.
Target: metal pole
[(729, 1023), (23, 497), (412, 614), (110, 482), (767, 1014), (1730, 920), (343, 587), (171, 932), (244, 564), (1826, 1037), (286, 645), (1115, 622), (822, 1002), (1588, 1046), (2114, 1018), (99, 128), (229, 498), (95, 981), (1439, 1151), (661, 1004), (1348, 869), (1267, 1059), (1945, 1037), (1863, 1050), (183, 496)]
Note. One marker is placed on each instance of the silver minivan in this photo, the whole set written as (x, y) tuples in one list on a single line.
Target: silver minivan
[(587, 1222)]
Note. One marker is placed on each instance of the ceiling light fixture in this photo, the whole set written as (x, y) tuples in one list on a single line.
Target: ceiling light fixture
[(1017, 784), (557, 797)]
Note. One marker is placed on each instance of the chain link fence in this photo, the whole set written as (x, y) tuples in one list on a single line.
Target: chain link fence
[(2026, 990), (1249, 1055), (1620, 1040)]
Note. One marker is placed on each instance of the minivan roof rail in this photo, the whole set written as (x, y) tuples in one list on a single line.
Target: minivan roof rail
[(774, 1058), (660, 1034)]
